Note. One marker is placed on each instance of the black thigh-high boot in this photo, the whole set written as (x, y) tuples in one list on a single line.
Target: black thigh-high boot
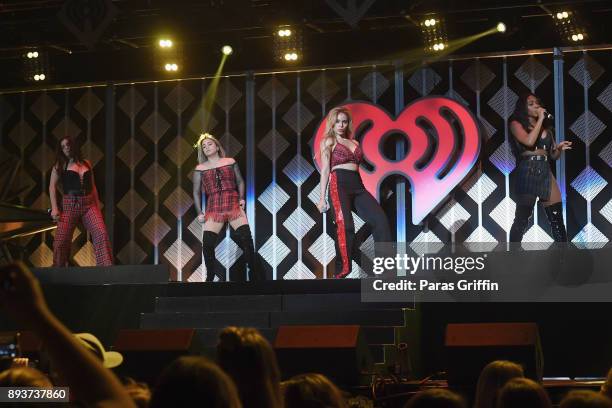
[(521, 218), (209, 242), (555, 217), (245, 242)]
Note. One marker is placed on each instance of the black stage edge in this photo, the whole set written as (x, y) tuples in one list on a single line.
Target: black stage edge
[(100, 275)]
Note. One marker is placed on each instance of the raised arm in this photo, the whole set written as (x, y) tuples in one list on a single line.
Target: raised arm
[(528, 138), (325, 158), (55, 212), (197, 194), (22, 297)]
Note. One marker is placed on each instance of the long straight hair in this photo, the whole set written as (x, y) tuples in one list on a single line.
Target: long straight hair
[(207, 136), (521, 116), (61, 161)]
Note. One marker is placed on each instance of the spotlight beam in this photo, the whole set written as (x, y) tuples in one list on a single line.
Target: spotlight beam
[(413, 59), (211, 94)]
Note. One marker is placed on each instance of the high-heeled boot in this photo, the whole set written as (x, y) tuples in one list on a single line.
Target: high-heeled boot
[(245, 242), (209, 242), (521, 219), (555, 217)]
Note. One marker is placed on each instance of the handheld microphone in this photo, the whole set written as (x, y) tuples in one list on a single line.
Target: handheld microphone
[(548, 115)]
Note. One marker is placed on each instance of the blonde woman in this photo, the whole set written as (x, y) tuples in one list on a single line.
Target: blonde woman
[(219, 178), (340, 158)]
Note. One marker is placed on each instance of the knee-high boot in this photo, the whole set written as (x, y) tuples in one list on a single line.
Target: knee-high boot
[(245, 242), (555, 217), (521, 219), (209, 242)]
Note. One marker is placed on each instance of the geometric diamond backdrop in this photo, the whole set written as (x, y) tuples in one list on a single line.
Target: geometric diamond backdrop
[(154, 126)]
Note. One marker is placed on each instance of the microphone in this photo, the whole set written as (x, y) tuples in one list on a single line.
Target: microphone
[(549, 116)]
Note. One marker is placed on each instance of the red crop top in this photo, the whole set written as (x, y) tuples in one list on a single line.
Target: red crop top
[(342, 155)]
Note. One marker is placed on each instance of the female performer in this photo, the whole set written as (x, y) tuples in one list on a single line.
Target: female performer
[(80, 203), (220, 179), (534, 146), (341, 154)]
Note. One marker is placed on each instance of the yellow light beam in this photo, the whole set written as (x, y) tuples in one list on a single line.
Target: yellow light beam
[(211, 94)]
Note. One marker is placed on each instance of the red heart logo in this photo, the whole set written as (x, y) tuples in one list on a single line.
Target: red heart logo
[(454, 155)]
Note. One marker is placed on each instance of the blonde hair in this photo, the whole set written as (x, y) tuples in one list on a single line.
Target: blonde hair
[(198, 145), (332, 116)]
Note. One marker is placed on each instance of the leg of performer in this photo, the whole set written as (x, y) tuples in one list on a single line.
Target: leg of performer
[(245, 242), (210, 238), (524, 208), (345, 228), (209, 242), (371, 212), (94, 223), (65, 228), (554, 212)]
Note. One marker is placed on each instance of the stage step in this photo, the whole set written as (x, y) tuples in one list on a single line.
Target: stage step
[(333, 301), (204, 320), (271, 319), (382, 317), (271, 303), (253, 303)]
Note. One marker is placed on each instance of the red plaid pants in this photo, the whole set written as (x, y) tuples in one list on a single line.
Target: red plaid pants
[(74, 209)]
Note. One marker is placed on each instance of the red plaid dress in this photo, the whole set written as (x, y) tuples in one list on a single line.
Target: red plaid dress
[(222, 198)]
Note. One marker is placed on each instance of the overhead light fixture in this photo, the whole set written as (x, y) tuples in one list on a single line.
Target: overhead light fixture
[(171, 67), (569, 26), (434, 34), (501, 27), (167, 55), (165, 43), (227, 50), (288, 45), (35, 65)]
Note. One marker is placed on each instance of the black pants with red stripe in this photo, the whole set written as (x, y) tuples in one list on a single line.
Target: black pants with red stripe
[(347, 193), (75, 209)]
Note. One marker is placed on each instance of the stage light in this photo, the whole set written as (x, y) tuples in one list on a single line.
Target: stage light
[(287, 44), (35, 65), (167, 55), (434, 35), (171, 67), (165, 43), (569, 26), (501, 27), (227, 50)]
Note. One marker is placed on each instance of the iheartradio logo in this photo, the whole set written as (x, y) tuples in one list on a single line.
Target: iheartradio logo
[(437, 159)]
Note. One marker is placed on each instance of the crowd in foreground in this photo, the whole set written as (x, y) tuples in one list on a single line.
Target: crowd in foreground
[(245, 373)]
